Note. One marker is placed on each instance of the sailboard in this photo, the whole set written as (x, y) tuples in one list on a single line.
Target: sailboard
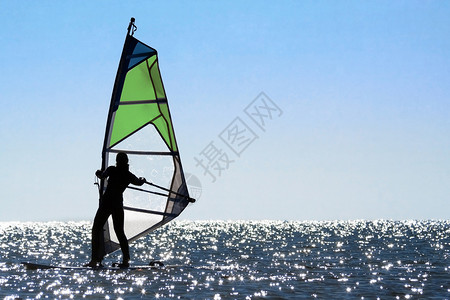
[(151, 266), (139, 123)]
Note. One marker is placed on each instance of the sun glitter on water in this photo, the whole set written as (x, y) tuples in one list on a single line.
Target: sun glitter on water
[(246, 259)]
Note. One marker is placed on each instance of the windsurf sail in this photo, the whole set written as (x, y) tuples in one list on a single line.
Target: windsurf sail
[(139, 124)]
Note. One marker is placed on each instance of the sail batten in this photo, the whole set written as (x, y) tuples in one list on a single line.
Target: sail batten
[(139, 123), (152, 212), (172, 153), (143, 101)]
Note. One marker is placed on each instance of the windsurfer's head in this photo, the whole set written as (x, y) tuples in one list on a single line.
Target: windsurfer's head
[(122, 159)]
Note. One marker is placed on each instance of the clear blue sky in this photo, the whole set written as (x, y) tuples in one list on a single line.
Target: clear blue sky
[(363, 87)]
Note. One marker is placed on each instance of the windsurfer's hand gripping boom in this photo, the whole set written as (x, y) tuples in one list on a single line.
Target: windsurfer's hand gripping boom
[(99, 174), (142, 180)]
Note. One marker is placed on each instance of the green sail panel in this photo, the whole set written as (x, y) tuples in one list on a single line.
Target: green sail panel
[(169, 137), (142, 84), (137, 85), (165, 129), (157, 82), (130, 118)]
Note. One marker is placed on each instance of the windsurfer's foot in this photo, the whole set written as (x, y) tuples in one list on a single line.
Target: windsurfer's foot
[(124, 264), (93, 264)]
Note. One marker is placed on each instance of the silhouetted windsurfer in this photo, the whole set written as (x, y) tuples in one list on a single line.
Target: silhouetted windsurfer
[(111, 203)]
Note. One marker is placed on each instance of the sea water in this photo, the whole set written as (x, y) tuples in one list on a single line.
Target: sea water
[(237, 260)]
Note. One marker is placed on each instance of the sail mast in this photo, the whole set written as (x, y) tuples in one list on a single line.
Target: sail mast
[(115, 98)]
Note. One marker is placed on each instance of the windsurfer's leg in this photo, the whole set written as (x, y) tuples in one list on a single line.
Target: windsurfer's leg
[(97, 230), (118, 221)]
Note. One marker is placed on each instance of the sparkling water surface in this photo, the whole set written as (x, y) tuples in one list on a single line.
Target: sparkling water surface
[(237, 260)]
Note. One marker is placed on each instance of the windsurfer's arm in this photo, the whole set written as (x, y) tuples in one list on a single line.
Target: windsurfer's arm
[(102, 174), (138, 181)]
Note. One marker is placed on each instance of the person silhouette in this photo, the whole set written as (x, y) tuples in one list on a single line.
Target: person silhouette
[(111, 203)]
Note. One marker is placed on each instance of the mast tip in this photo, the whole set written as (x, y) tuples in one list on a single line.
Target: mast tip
[(131, 27)]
